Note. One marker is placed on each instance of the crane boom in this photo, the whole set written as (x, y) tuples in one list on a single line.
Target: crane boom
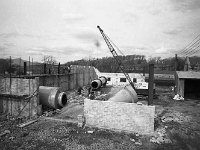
[(115, 55)]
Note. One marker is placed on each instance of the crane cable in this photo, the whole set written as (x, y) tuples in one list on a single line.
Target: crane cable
[(186, 49), (114, 45), (191, 48)]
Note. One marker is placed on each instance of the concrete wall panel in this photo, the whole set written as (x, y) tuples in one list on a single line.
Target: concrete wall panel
[(13, 99), (128, 117)]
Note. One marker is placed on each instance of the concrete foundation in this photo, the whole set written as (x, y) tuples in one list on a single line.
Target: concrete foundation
[(13, 96), (13, 91), (128, 117), (78, 77)]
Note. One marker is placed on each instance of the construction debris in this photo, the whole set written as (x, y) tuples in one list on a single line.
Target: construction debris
[(11, 138), (4, 133), (176, 117), (133, 140), (27, 123), (178, 97), (60, 120), (137, 134), (90, 131), (85, 91), (76, 99), (102, 97), (142, 103), (160, 137), (81, 120), (138, 143)]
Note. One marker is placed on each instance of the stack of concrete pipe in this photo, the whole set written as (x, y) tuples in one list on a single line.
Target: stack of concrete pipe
[(52, 97), (96, 84), (127, 95)]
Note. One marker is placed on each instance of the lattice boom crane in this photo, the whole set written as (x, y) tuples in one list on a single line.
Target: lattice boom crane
[(115, 55)]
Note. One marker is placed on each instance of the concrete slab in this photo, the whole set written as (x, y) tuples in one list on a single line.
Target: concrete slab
[(128, 117)]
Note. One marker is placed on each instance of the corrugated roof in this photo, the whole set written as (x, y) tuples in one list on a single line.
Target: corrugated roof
[(188, 74)]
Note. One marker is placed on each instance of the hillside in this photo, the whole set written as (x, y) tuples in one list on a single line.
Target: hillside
[(136, 63), (20, 62)]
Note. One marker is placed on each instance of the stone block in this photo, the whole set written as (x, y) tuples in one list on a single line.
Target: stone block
[(120, 116)]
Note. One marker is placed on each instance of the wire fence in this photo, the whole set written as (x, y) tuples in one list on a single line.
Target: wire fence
[(18, 67)]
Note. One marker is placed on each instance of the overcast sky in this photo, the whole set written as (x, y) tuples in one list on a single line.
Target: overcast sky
[(66, 29)]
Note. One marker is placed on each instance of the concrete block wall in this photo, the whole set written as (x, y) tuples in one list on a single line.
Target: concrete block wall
[(12, 99), (83, 75), (18, 86), (61, 81), (128, 117), (78, 77)]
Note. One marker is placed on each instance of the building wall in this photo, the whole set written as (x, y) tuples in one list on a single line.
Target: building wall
[(128, 117), (79, 76), (181, 87), (12, 99), (116, 78), (61, 81), (162, 76)]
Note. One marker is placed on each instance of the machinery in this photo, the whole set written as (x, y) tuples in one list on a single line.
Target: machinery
[(115, 55)]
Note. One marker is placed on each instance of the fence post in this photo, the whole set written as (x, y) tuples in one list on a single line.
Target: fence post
[(176, 62), (45, 66), (143, 70), (25, 68), (49, 71), (151, 84), (11, 83), (19, 67), (59, 68)]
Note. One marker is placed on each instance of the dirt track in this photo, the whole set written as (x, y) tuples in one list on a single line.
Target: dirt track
[(176, 127)]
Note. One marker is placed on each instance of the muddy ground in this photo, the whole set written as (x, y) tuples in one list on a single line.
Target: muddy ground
[(176, 127)]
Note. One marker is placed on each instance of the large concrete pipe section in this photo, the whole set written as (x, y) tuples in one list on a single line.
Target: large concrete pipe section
[(52, 97), (96, 84), (127, 95)]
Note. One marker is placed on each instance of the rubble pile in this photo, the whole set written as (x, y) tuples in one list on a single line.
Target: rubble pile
[(102, 97), (176, 117), (178, 97), (74, 98), (160, 136)]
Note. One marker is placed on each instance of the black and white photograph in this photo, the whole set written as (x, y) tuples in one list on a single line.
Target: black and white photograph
[(99, 74)]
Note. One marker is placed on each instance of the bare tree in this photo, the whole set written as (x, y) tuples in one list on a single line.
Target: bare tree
[(51, 62), (47, 59)]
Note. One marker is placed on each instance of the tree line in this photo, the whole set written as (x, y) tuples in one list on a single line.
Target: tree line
[(131, 63), (136, 63)]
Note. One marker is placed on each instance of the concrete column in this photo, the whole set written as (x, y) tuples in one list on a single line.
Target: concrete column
[(83, 71), (44, 69), (176, 62), (25, 68), (151, 84)]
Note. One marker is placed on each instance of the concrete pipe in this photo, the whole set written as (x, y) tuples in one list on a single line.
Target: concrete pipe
[(52, 97), (96, 84), (127, 95)]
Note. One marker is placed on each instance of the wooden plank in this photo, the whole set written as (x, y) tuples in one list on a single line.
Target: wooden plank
[(1, 106), (27, 123), (61, 120)]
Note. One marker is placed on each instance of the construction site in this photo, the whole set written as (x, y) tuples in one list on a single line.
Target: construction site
[(78, 107)]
